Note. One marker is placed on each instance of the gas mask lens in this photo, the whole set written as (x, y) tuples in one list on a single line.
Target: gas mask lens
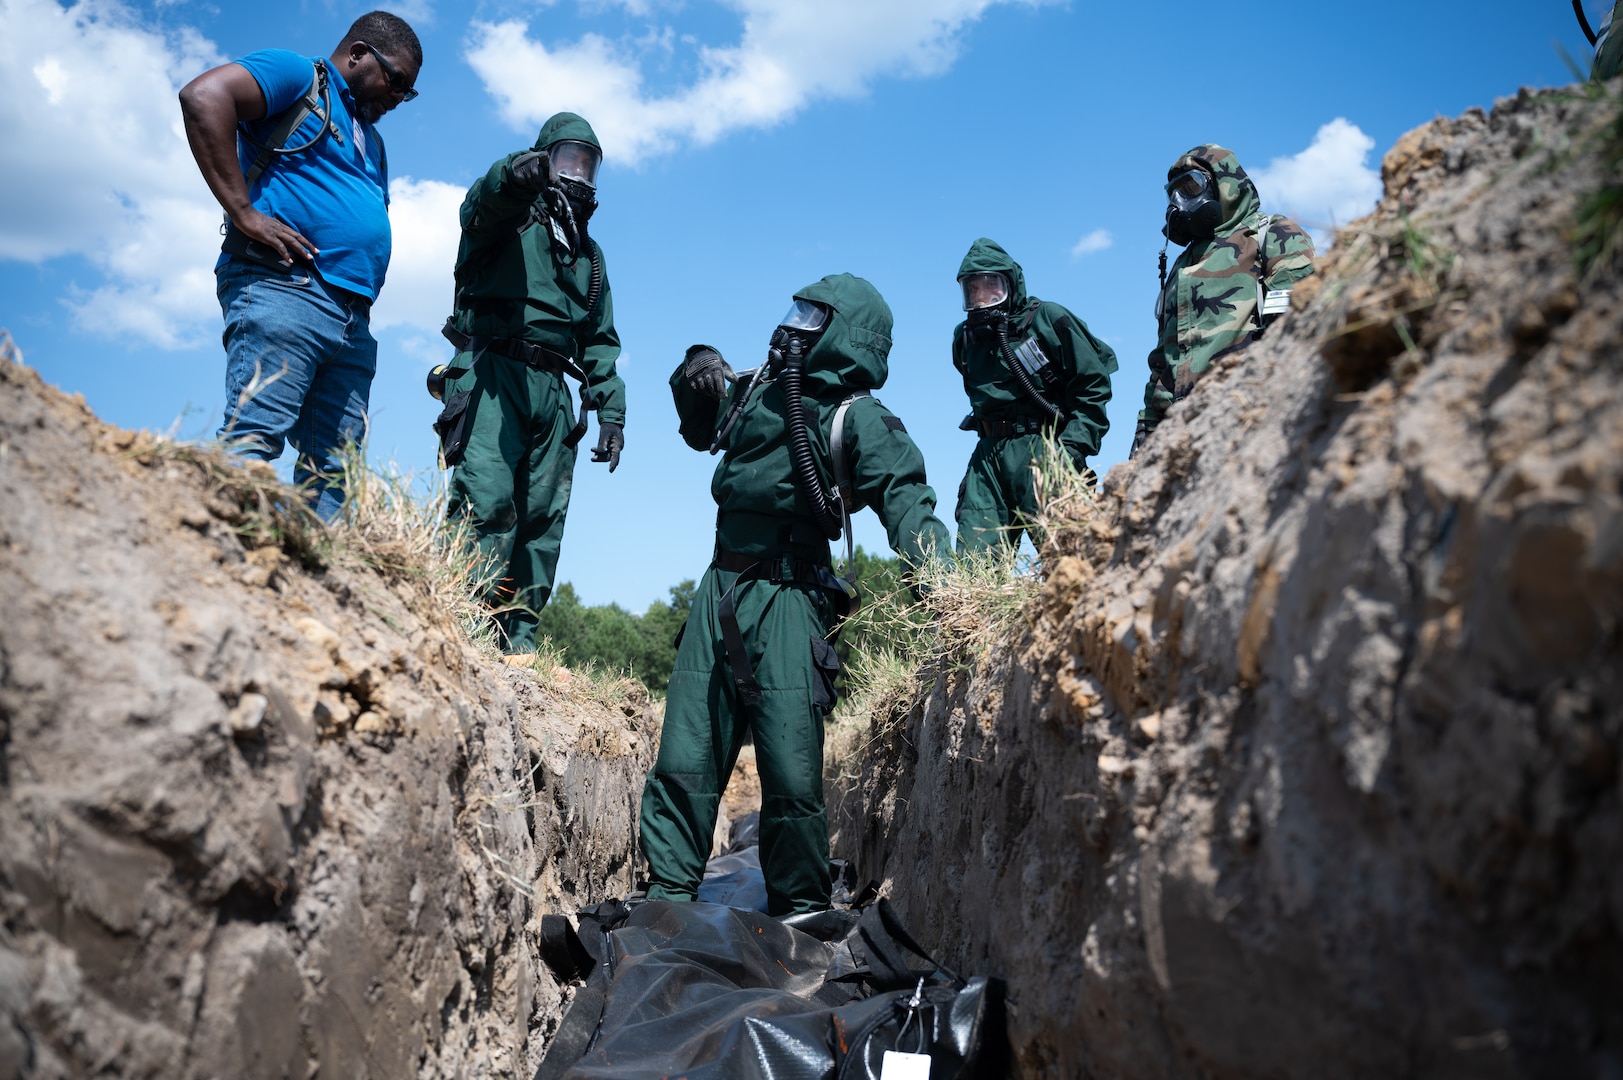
[(575, 160), (805, 316), (984, 290), (1187, 186)]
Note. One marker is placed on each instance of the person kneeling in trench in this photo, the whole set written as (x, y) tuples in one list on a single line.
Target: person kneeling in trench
[(754, 656)]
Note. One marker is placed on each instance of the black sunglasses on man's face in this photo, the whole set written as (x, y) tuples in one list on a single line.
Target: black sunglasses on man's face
[(397, 81)]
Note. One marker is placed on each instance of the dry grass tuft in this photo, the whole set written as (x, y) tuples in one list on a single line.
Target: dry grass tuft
[(394, 523), (589, 684)]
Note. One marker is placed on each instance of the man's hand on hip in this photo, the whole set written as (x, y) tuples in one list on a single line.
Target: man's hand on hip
[(611, 439), (276, 235)]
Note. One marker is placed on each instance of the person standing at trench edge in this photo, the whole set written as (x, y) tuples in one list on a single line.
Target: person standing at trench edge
[(1232, 280), (305, 190), (532, 305), (754, 655), (1032, 370)]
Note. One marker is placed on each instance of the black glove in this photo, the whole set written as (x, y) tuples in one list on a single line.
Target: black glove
[(1139, 435), (706, 372), (611, 439), (532, 171)]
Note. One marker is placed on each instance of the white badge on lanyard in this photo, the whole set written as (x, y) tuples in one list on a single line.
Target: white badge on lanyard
[(900, 1066)]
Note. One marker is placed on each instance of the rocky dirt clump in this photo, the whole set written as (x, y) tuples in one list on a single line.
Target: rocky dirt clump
[(1310, 764)]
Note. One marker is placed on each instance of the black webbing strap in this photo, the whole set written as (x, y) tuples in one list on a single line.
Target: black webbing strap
[(580, 1026), (590, 953), (317, 102), (886, 944), (1008, 429), (562, 950), (529, 354), (732, 639)]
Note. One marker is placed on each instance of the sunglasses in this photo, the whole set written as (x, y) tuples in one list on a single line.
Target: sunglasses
[(397, 81)]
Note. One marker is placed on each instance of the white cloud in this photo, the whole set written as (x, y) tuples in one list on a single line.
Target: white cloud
[(792, 52), (1097, 240), (1328, 184), (107, 175), (423, 219)]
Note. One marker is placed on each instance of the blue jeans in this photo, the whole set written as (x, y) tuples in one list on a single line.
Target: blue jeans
[(300, 358)]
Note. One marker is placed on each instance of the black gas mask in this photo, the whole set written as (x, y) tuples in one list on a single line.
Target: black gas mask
[(797, 334), (1194, 210), (986, 299)]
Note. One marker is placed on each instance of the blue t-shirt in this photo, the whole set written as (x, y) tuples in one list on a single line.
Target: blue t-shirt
[(335, 194)]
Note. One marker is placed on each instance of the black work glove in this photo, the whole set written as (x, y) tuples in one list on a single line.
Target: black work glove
[(611, 439), (706, 372), (532, 171), (1139, 435)]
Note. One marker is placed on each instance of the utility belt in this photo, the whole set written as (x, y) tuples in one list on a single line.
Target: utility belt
[(784, 569), (525, 352), (778, 569), (1004, 429), (528, 353)]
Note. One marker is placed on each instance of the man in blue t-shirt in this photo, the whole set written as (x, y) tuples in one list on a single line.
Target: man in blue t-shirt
[(308, 240)]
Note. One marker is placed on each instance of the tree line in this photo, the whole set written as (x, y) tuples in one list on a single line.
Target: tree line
[(644, 645)]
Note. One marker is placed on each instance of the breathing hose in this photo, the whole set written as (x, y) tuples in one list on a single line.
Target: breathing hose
[(827, 512), (1028, 387)]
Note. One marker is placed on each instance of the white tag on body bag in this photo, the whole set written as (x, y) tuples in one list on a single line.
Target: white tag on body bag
[(900, 1066)]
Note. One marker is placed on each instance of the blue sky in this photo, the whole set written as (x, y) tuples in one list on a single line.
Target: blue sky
[(751, 147)]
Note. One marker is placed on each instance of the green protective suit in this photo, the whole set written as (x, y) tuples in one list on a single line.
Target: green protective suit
[(513, 480), (764, 519), (997, 499), (1209, 305), (1609, 53)]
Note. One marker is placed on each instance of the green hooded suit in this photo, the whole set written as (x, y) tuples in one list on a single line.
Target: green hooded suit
[(512, 481), (773, 561), (997, 498), (1208, 307)]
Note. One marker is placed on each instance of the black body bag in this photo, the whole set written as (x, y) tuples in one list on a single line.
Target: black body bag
[(710, 992)]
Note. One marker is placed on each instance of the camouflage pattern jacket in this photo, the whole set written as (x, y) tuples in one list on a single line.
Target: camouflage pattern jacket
[(1209, 305)]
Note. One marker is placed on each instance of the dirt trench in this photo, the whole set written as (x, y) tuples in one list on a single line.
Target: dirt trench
[(1310, 763), (264, 812)]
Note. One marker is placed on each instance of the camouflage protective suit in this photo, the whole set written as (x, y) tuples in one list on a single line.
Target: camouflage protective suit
[(774, 562), (997, 497), (512, 481), (1208, 307)]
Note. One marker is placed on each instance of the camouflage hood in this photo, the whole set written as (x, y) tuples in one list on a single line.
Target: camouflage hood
[(853, 352), (566, 125), (986, 256), (1237, 195)]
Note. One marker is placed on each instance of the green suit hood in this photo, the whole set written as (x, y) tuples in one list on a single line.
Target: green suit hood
[(566, 125), (853, 352), (1236, 194), (986, 256)]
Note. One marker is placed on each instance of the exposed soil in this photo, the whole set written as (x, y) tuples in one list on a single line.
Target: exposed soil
[(265, 817), (1310, 766)]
